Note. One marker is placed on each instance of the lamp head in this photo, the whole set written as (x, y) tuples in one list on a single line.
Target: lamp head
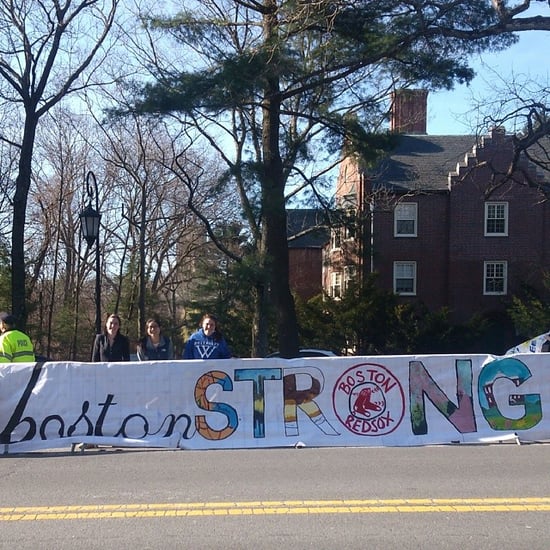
[(89, 223)]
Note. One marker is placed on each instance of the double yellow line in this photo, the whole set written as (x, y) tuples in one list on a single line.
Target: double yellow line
[(182, 509)]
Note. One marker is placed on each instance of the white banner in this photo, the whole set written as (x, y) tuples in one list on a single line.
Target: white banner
[(248, 403), (538, 344)]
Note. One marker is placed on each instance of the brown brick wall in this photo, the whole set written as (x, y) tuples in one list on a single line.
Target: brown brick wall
[(305, 265), (523, 248), (451, 247), (429, 250)]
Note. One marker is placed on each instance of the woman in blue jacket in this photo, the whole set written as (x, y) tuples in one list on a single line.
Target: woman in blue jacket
[(208, 342), (154, 346)]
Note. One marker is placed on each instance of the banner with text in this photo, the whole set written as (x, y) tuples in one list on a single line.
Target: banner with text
[(250, 403)]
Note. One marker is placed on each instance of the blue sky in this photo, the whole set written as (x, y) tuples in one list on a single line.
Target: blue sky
[(529, 59)]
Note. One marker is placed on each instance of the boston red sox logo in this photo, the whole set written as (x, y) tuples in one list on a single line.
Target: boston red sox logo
[(362, 404), (369, 400)]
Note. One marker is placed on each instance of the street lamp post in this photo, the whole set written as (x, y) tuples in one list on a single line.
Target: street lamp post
[(89, 223)]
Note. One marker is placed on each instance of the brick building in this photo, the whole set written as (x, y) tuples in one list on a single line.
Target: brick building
[(307, 236), (438, 221)]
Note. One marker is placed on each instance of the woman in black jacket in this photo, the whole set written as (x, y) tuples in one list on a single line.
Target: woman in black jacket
[(111, 346)]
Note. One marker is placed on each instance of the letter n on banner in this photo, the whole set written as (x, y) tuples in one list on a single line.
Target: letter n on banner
[(422, 385)]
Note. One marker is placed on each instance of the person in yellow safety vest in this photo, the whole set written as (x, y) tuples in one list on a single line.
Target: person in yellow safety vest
[(15, 346)]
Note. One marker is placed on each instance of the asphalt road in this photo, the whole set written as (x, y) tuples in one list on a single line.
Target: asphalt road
[(463, 496)]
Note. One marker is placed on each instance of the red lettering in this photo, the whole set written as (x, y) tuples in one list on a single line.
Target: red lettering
[(346, 388), (364, 426)]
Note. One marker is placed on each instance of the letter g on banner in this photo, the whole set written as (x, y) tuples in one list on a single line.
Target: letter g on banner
[(517, 373)]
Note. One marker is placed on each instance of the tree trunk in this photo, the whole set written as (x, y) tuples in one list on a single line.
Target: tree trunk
[(142, 275), (273, 202), (22, 186), (277, 250), (260, 321)]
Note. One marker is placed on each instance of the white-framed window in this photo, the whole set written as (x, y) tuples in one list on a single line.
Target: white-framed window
[(336, 284), (405, 219), (336, 238), (496, 219), (404, 278), (495, 277), (349, 275), (350, 227)]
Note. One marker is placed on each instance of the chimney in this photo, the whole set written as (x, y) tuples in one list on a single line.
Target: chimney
[(409, 111)]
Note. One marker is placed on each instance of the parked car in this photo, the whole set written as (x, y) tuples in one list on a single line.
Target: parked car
[(308, 352)]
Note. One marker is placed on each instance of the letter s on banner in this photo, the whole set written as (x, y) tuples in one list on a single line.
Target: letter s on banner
[(204, 429)]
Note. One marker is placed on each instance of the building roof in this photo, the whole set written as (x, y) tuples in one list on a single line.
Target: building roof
[(306, 228), (422, 162)]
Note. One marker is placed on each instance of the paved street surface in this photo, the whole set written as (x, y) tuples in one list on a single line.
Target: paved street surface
[(463, 496)]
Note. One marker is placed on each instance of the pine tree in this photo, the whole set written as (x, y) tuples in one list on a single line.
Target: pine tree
[(287, 79)]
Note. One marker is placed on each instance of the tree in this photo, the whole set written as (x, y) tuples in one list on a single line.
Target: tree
[(164, 237), (4, 275), (366, 320), (299, 77), (363, 321), (52, 259), (524, 105), (47, 50), (530, 311)]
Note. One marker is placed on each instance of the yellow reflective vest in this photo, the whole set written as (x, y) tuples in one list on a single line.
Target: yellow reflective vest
[(16, 347)]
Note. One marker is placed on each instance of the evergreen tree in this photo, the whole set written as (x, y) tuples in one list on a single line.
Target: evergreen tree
[(530, 311), (286, 79)]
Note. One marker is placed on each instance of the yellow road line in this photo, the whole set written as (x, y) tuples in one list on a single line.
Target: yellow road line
[(182, 509)]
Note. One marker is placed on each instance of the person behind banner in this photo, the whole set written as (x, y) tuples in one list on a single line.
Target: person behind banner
[(208, 342), (111, 346), (15, 345), (154, 346)]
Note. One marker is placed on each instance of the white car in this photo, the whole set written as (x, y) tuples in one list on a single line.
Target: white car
[(308, 352)]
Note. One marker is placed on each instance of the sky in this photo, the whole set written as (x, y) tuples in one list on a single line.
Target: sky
[(529, 59)]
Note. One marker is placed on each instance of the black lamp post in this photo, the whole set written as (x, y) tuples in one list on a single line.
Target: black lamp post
[(89, 223)]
